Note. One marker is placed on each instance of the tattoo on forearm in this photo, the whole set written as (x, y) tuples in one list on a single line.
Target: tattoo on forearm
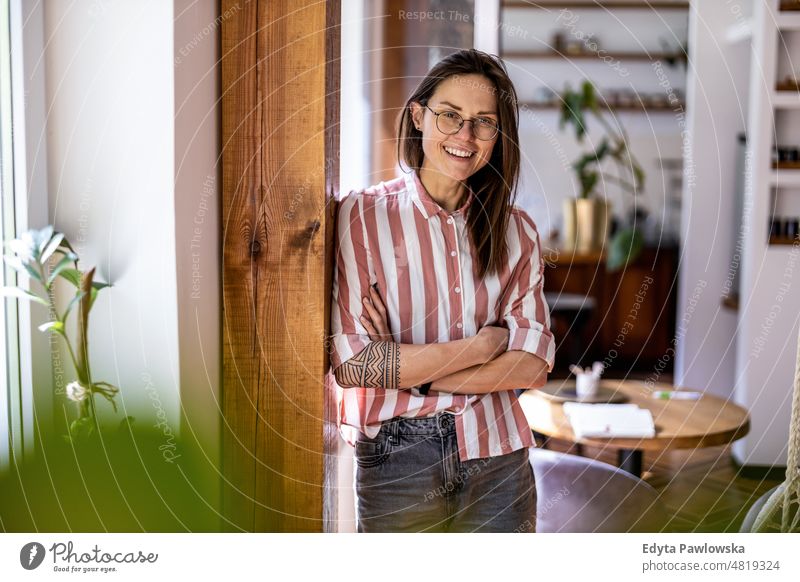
[(376, 366)]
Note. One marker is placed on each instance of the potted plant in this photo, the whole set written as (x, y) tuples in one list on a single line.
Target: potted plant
[(586, 217), (45, 256)]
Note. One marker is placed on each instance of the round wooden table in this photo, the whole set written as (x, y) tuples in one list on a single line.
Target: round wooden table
[(680, 424)]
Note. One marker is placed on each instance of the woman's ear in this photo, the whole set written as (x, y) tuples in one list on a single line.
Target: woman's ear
[(417, 113)]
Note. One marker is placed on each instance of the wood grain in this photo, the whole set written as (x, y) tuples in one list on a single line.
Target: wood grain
[(280, 161)]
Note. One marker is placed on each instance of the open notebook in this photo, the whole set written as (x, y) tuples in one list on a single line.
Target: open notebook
[(609, 420)]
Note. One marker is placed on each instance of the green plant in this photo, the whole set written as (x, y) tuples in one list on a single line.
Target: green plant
[(32, 253), (576, 106)]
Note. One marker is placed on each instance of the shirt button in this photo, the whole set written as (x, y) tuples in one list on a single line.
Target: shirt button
[(449, 221), (453, 253), (459, 325), (457, 289)]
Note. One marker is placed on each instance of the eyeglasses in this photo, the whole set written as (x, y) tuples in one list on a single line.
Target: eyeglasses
[(450, 122)]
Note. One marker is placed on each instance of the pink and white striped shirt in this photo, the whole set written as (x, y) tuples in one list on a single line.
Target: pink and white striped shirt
[(423, 261)]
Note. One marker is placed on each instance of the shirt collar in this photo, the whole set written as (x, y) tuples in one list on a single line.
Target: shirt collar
[(427, 205)]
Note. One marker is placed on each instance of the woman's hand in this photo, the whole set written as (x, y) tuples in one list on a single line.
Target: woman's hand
[(493, 341), (374, 317)]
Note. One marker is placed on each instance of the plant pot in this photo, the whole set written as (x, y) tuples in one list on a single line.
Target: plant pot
[(586, 223)]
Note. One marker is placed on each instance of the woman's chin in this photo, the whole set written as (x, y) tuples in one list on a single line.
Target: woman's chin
[(458, 174)]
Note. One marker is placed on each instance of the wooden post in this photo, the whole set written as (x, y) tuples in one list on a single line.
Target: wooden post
[(280, 113)]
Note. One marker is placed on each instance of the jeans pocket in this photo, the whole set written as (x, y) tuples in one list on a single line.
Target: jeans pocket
[(372, 452)]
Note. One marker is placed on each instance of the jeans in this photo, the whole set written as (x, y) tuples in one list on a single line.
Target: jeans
[(409, 479)]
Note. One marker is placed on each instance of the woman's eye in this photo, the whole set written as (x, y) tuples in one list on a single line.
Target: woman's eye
[(451, 115), (487, 122)]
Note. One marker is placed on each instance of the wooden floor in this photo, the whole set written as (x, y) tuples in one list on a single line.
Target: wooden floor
[(702, 490)]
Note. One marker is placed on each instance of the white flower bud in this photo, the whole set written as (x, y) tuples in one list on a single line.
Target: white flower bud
[(76, 391)]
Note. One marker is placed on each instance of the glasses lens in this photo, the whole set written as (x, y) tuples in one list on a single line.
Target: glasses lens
[(449, 122), (484, 130)]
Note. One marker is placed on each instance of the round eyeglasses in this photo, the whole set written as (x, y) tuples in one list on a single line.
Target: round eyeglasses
[(450, 122)]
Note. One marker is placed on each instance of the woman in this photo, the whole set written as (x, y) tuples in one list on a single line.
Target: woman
[(438, 315)]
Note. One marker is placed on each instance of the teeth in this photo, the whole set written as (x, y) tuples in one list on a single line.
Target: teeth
[(457, 152)]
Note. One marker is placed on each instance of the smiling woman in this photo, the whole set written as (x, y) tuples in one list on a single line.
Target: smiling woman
[(438, 315)]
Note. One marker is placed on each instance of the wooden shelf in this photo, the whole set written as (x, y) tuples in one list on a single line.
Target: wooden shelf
[(783, 87), (620, 56), (731, 302), (783, 240), (786, 165), (634, 108), (590, 5), (789, 7)]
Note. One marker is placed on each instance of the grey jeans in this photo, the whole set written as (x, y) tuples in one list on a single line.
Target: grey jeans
[(409, 479)]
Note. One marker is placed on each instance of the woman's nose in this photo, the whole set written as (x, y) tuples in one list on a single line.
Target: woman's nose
[(467, 131)]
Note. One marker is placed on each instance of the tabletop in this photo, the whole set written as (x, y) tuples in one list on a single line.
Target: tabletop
[(680, 424)]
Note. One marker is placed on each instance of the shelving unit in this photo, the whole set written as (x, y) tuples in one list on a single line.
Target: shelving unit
[(628, 108), (592, 64), (621, 56), (769, 282), (600, 5)]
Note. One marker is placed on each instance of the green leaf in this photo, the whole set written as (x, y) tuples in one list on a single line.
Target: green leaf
[(56, 326), (65, 243), (72, 275), (33, 272), (589, 96), (588, 181), (60, 266), (22, 294), (42, 237), (624, 247), (73, 302), (51, 247)]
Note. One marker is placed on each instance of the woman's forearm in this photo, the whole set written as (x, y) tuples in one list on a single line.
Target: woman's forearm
[(508, 371), (390, 365)]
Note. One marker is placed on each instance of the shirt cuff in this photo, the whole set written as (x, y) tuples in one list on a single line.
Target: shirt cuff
[(345, 346), (536, 340)]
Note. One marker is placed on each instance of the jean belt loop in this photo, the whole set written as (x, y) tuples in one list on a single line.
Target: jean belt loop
[(394, 431)]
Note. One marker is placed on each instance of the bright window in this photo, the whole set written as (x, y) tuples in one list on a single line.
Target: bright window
[(9, 344)]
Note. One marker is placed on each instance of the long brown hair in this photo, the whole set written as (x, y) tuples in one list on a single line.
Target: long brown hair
[(494, 185)]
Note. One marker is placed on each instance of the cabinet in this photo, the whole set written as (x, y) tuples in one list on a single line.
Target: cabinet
[(631, 326)]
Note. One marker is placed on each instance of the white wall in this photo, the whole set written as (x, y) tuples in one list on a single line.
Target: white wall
[(132, 91), (717, 111), (110, 148)]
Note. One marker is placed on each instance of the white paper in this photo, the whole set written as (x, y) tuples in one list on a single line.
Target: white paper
[(609, 420)]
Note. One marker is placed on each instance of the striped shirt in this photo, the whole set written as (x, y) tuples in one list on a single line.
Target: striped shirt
[(424, 264)]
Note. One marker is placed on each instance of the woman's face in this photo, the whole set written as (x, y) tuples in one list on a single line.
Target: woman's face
[(460, 155)]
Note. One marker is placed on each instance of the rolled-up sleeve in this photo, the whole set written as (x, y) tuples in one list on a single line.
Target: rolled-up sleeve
[(351, 280), (525, 311)]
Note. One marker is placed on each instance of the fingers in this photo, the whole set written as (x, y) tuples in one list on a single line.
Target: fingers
[(377, 301), (374, 314), (373, 333)]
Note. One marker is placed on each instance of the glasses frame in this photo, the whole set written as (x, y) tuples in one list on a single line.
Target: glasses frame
[(460, 125)]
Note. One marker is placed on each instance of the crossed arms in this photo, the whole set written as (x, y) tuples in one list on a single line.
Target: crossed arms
[(474, 365)]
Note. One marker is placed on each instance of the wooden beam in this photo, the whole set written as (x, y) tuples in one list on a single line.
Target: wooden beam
[(280, 87)]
